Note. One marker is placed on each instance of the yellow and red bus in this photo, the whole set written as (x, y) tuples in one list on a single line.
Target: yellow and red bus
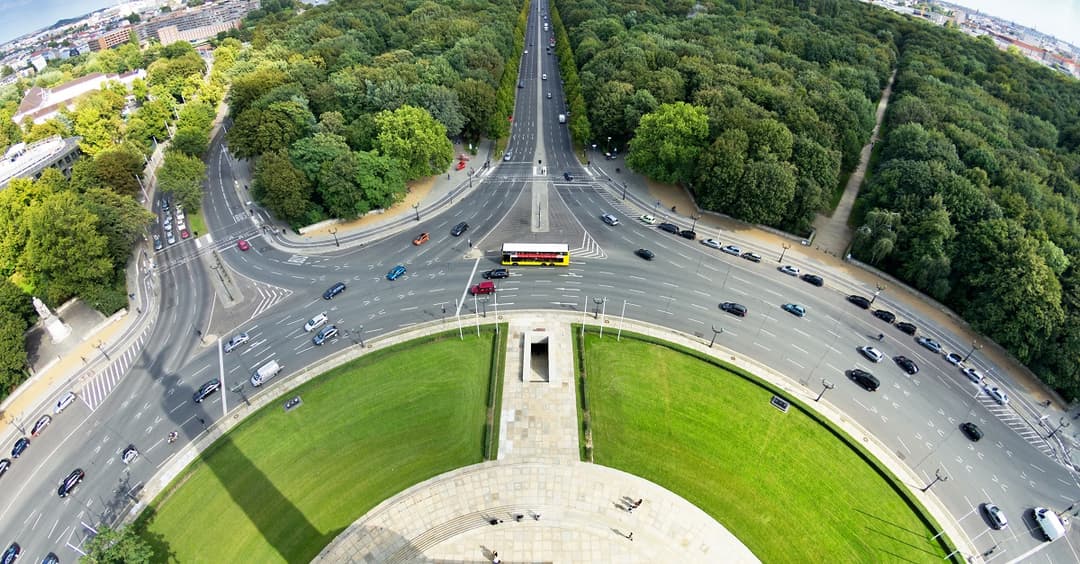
[(536, 254)]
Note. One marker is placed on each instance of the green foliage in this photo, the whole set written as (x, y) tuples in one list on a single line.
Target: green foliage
[(182, 176), (281, 187), (121, 219), (412, 137), (14, 300), (13, 362), (117, 546), (171, 73), (64, 251), (115, 168), (191, 141), (668, 141)]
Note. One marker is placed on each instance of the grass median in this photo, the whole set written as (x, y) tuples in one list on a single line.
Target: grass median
[(782, 483), (282, 485)]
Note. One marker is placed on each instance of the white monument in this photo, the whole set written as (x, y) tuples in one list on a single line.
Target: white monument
[(58, 330)]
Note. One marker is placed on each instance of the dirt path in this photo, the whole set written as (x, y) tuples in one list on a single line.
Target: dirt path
[(833, 234), (417, 192)]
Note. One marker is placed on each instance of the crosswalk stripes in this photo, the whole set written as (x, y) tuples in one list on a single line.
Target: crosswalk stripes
[(268, 297), (1033, 436), (590, 249), (95, 391)]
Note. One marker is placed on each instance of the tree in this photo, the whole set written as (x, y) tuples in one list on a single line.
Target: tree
[(182, 176), (281, 187), (310, 153), (118, 169), (339, 190), (477, 100), (120, 219), (118, 546), (64, 252), (13, 361), (14, 300), (416, 140), (257, 131), (668, 141), (191, 141)]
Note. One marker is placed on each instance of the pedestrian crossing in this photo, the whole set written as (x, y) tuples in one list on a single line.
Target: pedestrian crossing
[(589, 249), (97, 389), (1018, 424), (268, 297)]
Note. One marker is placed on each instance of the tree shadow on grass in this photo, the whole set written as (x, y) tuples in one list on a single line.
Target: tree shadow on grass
[(920, 534), (882, 534)]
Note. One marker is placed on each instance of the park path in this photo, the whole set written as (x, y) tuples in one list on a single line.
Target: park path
[(833, 236)]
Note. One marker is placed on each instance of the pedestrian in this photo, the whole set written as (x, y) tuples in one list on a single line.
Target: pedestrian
[(495, 558), (630, 536), (638, 503), (630, 508), (536, 516), (448, 176)]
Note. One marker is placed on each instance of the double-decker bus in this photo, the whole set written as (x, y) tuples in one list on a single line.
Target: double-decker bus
[(536, 254)]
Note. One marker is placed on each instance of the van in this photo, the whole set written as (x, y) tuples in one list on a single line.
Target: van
[(483, 288), (543, 76), (1050, 523), (562, 118), (265, 372)]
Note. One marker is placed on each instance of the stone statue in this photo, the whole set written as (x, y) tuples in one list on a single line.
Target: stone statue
[(42, 309)]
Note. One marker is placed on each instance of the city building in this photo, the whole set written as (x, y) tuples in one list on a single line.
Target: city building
[(40, 104), (29, 161), (110, 39), (197, 24)]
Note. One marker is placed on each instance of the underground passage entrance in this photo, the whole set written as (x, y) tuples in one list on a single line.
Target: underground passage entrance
[(537, 360)]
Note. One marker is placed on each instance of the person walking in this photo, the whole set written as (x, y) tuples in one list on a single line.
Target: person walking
[(495, 558)]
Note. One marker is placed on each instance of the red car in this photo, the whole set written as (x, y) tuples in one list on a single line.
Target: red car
[(242, 245), (184, 234), (460, 165)]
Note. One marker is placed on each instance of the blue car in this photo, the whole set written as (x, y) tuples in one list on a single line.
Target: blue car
[(20, 447), (11, 554), (794, 309), (395, 272), (328, 332)]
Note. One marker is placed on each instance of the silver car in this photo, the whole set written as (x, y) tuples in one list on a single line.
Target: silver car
[(235, 342)]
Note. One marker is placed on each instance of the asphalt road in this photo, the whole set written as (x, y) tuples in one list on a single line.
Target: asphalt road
[(918, 416)]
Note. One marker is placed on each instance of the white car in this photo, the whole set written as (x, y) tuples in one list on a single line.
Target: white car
[(648, 219), (997, 393), (711, 243), (64, 402), (789, 270), (871, 354), (236, 341), (315, 322), (954, 358), (973, 375), (732, 250), (609, 219), (129, 455)]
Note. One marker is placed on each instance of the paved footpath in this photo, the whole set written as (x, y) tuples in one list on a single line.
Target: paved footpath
[(538, 502)]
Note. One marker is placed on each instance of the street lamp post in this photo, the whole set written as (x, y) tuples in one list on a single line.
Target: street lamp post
[(598, 302), (938, 477), (880, 289), (333, 231), (715, 332), (624, 191), (783, 252), (360, 335), (609, 143), (974, 347), (416, 208), (826, 385), (695, 218), (100, 347), (1062, 423)]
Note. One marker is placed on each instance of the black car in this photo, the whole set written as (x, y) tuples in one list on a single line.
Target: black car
[(568, 177), (20, 447), (333, 291), (864, 379), (752, 257), (859, 301), (496, 273), (906, 327), (70, 482), (11, 554), (734, 308), (971, 431), (645, 254), (669, 227), (885, 315), (813, 279), (688, 234), (4, 465), (459, 229), (906, 364), (206, 389), (51, 558)]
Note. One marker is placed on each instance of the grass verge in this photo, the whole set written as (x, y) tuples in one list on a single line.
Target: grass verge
[(282, 485), (789, 486)]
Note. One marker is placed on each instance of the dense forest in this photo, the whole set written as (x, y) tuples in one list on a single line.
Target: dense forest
[(757, 108), (342, 104), (975, 194)]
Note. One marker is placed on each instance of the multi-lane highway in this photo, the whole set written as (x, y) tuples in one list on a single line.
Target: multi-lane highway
[(208, 289)]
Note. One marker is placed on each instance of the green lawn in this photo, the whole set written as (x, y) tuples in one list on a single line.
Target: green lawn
[(782, 483), (283, 485)]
